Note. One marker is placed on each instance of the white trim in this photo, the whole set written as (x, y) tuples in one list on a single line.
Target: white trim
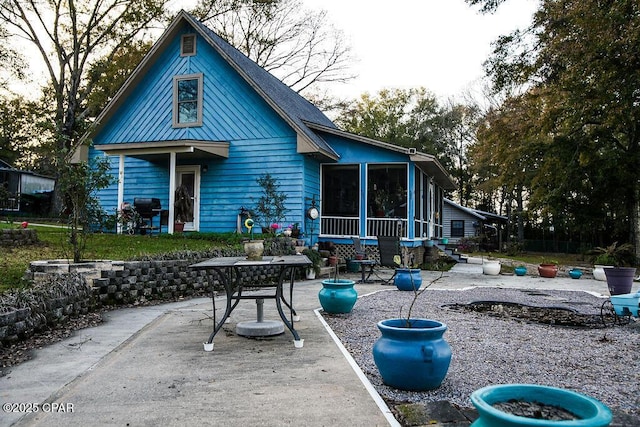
[(382, 405), (195, 169)]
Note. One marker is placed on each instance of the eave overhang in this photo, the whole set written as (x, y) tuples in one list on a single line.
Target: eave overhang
[(188, 147)]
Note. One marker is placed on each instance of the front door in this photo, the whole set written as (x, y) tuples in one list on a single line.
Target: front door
[(189, 177)]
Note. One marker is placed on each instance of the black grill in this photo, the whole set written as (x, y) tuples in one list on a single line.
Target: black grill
[(147, 208)]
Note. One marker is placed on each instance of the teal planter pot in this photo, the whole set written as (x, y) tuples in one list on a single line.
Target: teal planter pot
[(408, 279), (520, 270), (337, 296), (575, 273), (444, 241), (353, 267), (591, 412), (414, 358)]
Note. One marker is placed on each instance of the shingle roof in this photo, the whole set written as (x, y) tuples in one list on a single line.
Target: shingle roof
[(288, 103)]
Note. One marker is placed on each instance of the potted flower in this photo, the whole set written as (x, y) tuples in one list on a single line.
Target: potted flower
[(621, 273), (412, 354)]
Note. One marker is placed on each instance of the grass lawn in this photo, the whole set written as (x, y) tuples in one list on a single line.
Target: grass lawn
[(54, 245)]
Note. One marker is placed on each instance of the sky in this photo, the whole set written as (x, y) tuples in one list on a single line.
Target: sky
[(436, 44)]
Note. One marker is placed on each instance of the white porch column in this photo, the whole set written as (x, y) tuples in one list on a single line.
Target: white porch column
[(120, 189), (172, 186)]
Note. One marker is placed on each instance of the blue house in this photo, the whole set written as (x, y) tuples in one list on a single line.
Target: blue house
[(199, 113)]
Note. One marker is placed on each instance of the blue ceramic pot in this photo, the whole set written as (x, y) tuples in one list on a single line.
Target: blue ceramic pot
[(408, 279), (412, 358), (575, 273), (337, 296), (520, 270), (592, 413)]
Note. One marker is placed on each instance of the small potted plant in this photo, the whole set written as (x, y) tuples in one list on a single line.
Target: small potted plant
[(316, 260), (407, 277), (270, 208), (548, 269), (621, 273), (183, 207)]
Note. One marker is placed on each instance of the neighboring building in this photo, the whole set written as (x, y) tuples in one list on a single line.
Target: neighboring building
[(24, 191), (462, 222), (199, 113)]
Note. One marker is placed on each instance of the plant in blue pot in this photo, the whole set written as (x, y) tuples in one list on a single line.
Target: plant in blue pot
[(412, 354), (337, 296), (406, 278)]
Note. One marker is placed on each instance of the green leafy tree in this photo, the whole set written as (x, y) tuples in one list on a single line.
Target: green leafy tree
[(80, 183), (413, 118), (585, 57)]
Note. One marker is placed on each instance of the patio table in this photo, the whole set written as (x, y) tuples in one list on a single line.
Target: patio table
[(228, 270), (363, 263)]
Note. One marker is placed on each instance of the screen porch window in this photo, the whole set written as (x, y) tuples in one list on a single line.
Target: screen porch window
[(387, 190), (187, 100), (340, 206)]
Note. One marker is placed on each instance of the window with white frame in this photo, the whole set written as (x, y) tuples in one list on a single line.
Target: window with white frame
[(187, 100)]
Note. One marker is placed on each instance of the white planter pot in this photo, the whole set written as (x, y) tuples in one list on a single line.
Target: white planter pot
[(598, 272), (491, 268), (311, 274)]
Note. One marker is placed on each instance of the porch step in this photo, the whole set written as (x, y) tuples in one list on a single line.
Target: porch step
[(452, 253)]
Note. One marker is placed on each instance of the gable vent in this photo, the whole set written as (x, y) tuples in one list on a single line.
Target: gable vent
[(188, 45)]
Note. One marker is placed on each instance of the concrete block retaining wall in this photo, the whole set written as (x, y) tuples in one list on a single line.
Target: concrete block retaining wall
[(17, 237), (76, 289)]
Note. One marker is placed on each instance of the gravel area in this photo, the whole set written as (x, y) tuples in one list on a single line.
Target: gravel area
[(494, 349)]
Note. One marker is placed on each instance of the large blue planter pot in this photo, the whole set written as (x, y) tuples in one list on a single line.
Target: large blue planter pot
[(412, 358), (337, 296), (408, 279), (592, 413)]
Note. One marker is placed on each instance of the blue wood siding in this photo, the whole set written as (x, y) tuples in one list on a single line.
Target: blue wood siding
[(260, 141), (232, 110)]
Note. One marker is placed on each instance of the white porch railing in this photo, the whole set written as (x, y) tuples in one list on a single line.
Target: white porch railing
[(387, 227), (348, 226), (340, 226)]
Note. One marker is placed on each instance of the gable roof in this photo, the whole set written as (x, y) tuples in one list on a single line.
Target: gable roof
[(290, 106), (481, 215)]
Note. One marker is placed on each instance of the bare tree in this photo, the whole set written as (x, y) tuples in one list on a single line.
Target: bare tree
[(295, 44), (68, 36)]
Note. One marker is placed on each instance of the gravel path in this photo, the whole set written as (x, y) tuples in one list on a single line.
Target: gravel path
[(492, 349)]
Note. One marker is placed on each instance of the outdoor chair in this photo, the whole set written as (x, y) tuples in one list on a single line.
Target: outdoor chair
[(389, 249)]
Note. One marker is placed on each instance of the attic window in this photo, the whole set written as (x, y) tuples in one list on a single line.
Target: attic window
[(188, 45), (187, 100)]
